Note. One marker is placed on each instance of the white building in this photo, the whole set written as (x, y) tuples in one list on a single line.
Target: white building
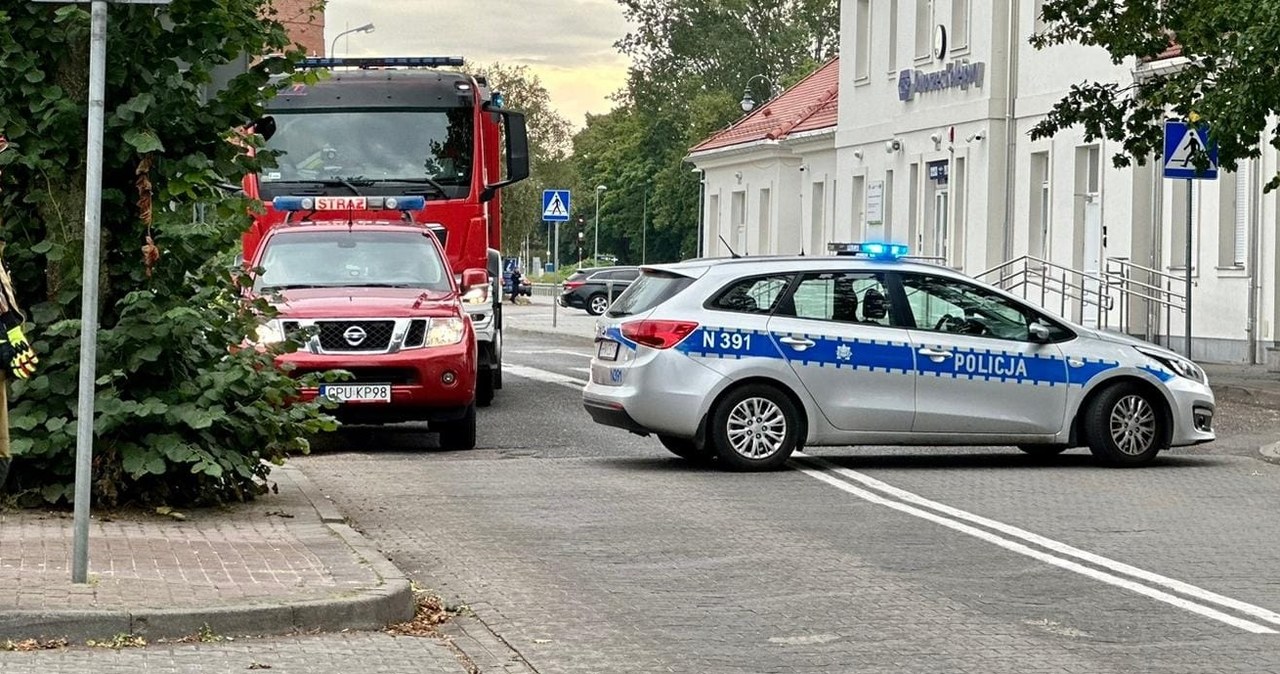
[(931, 147)]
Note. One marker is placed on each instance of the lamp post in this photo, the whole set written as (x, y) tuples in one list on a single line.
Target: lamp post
[(644, 225), (367, 28), (702, 190), (748, 103), (595, 256)]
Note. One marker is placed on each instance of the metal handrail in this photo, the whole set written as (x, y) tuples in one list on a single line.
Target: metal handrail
[(1124, 262)]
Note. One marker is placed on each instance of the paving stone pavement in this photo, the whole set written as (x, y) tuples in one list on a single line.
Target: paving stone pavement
[(271, 566)]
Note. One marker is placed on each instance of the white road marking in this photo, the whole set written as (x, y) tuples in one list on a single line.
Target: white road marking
[(543, 376), (1062, 548), (581, 369)]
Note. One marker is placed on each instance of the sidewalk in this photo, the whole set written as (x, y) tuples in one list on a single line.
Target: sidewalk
[(284, 563), (1251, 384), (539, 315)]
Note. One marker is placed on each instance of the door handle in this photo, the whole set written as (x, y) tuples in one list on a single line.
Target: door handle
[(797, 343), (933, 353)]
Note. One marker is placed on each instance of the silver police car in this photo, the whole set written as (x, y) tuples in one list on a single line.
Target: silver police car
[(748, 360)]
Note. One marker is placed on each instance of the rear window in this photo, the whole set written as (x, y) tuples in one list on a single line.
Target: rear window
[(652, 288)]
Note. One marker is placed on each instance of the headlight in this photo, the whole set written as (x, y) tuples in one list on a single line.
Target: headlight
[(271, 332), (1180, 366), (445, 331)]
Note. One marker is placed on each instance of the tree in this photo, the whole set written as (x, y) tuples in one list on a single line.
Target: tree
[(181, 415), (1230, 49), (549, 144)]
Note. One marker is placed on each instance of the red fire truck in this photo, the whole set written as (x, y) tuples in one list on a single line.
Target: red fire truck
[(380, 127)]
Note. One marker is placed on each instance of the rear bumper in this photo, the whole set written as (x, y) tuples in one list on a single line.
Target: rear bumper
[(608, 413), (417, 378)]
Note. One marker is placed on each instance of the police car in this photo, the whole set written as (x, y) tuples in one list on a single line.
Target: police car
[(747, 360)]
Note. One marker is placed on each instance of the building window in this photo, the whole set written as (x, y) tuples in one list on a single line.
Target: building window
[(1233, 224), (713, 213), (959, 26), (738, 218), (888, 206), (1037, 10), (862, 40), (1178, 224), (924, 30), (818, 221), (892, 36), (1041, 207)]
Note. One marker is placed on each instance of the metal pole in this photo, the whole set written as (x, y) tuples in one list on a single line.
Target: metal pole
[(89, 295), (595, 255), (555, 302), (644, 226), (702, 197), (1190, 186)]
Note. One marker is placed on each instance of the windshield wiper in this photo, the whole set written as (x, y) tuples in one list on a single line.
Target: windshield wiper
[(390, 285), (292, 286), (430, 182)]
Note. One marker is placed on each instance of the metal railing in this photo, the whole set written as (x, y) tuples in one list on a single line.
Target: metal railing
[(1053, 281), (1152, 287)]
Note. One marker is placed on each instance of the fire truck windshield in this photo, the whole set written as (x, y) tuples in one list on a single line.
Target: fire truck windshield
[(375, 145), (346, 259)]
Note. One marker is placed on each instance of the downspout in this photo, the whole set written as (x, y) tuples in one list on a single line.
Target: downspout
[(1252, 261), (1011, 95)]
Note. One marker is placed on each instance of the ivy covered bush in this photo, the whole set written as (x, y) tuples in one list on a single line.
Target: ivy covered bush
[(183, 416)]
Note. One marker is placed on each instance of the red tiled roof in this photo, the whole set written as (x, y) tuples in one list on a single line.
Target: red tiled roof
[(809, 105)]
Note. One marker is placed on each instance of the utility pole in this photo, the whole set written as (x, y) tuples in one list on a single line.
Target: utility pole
[(595, 255), (644, 225)]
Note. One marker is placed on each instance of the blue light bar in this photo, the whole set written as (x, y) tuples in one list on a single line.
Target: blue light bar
[(341, 203), (877, 251), (383, 62)]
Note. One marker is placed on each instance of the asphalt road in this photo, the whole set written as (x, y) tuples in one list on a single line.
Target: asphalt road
[(587, 549)]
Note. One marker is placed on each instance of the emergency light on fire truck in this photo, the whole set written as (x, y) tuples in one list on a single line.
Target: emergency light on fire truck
[(343, 203), (383, 62)]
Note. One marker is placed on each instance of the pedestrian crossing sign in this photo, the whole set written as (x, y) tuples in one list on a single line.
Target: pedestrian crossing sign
[(555, 205), (1182, 142)]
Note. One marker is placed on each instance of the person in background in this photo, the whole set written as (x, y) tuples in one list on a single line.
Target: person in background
[(515, 284)]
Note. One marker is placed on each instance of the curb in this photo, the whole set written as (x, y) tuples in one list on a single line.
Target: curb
[(391, 601), (1270, 453), (1244, 394)]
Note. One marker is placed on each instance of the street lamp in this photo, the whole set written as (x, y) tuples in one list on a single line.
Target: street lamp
[(748, 103), (595, 258), (333, 47)]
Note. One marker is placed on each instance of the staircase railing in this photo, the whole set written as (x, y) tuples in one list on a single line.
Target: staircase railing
[(1030, 274), (1152, 287)]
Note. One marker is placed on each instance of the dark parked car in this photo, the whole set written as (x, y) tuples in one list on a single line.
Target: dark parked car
[(526, 288), (589, 288)]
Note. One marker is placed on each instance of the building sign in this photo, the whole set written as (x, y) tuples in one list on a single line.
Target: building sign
[(960, 75), (938, 172), (875, 202)]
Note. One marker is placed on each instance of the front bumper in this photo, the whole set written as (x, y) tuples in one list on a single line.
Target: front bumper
[(418, 389), (482, 321), (1192, 405)]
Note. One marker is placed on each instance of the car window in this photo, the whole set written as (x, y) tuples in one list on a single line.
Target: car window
[(757, 295), (846, 297), (297, 259), (943, 304), (628, 274), (651, 289)]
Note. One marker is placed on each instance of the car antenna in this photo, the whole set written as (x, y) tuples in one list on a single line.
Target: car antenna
[(726, 245)]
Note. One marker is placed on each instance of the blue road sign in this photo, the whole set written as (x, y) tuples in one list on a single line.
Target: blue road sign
[(1182, 142), (555, 205)]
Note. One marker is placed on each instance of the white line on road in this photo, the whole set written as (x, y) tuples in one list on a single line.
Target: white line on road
[(1159, 595), (543, 376)]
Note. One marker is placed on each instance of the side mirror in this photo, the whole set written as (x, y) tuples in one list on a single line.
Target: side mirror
[(474, 278), (513, 124), (1038, 331)]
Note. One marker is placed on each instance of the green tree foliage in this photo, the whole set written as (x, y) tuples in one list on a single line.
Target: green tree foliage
[(692, 60), (1230, 46), (180, 417), (549, 143)]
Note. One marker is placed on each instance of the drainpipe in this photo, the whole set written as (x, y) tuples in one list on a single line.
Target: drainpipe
[(1011, 95), (1252, 261)]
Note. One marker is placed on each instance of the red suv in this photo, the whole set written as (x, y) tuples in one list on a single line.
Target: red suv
[(381, 302)]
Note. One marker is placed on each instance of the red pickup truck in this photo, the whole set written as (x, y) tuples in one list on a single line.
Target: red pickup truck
[(378, 299)]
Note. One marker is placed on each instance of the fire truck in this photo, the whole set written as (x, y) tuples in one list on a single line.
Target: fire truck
[(404, 126)]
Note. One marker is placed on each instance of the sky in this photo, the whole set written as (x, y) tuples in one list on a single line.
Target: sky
[(566, 43)]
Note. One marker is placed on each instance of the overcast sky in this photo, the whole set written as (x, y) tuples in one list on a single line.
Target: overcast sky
[(567, 43)]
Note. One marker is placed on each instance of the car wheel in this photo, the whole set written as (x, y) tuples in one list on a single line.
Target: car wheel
[(685, 448), (1123, 426), (1043, 451), (755, 428), (460, 434), (596, 304), (484, 387)]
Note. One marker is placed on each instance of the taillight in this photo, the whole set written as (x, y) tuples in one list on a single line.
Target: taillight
[(570, 285), (658, 334)]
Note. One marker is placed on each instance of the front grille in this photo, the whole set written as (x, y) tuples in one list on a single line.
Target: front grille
[(334, 335), (396, 376), (416, 334)]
